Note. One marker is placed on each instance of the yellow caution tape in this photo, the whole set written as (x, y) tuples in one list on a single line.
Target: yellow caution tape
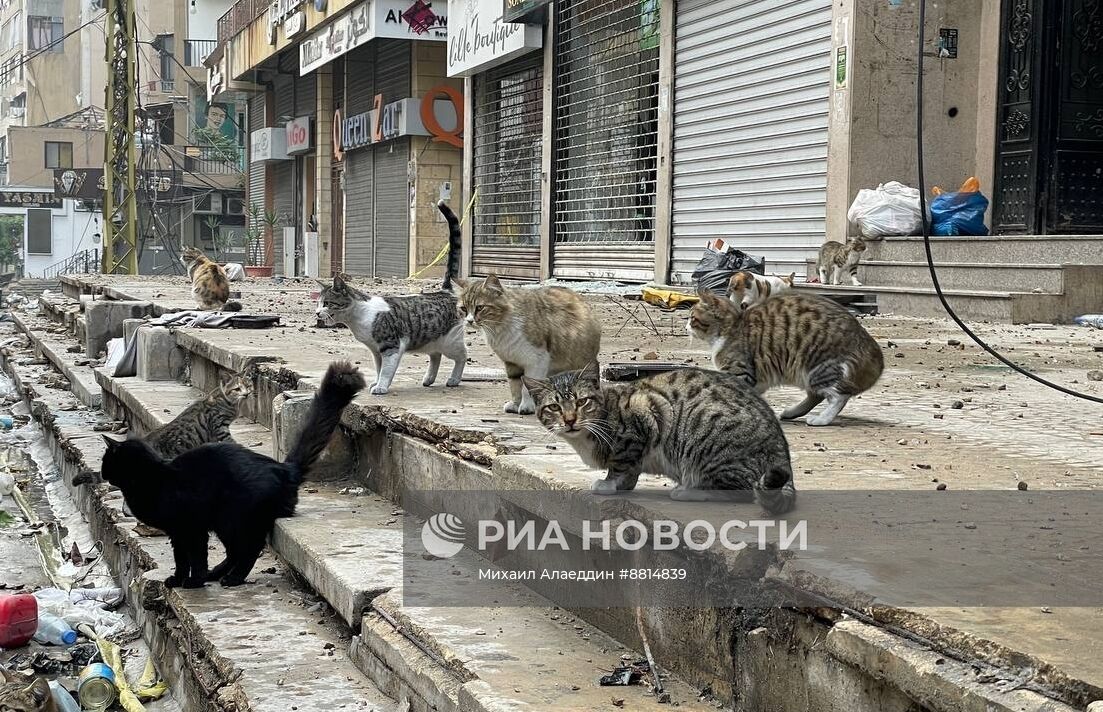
[(444, 250), (150, 688)]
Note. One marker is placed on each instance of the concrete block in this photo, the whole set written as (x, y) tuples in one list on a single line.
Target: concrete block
[(288, 418), (130, 327), (104, 321), (159, 358)]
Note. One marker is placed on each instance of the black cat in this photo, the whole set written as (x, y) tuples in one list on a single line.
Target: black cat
[(225, 488)]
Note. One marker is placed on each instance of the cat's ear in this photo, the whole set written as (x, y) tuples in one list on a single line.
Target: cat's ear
[(493, 284), (111, 443), (792, 278), (708, 297), (339, 282), (461, 282), (590, 374), (538, 389), (39, 691)]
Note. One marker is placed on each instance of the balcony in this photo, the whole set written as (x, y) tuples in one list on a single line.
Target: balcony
[(213, 161), (238, 17), (195, 51)]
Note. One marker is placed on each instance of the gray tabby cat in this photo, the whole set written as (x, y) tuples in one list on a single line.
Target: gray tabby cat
[(391, 326), (837, 257), (25, 693), (707, 431)]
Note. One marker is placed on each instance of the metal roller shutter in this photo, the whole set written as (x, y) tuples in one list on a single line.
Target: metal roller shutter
[(509, 108), (606, 138), (359, 167), (256, 170), (284, 89), (751, 89), (305, 100), (392, 213), (283, 178)]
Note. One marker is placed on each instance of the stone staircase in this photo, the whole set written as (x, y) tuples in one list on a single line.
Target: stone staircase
[(346, 544), (1012, 279)]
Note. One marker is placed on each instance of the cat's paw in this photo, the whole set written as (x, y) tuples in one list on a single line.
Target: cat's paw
[(428, 381), (379, 390), (172, 581), (855, 283), (195, 582), (230, 580), (452, 382), (684, 494), (604, 487), (526, 408), (819, 420), (509, 407)]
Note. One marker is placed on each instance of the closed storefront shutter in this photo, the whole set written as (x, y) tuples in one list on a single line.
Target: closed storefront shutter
[(392, 213), (359, 167), (509, 107), (606, 136), (751, 87), (305, 100), (256, 170), (283, 178)]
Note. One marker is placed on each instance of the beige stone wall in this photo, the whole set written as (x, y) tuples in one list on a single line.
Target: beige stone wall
[(323, 161), (872, 125), (432, 164), (27, 153)]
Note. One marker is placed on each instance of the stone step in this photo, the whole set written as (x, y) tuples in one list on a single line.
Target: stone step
[(54, 347), (257, 648), (1046, 278), (970, 305), (1001, 249)]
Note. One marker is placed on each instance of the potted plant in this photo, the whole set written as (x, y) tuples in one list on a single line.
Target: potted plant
[(258, 242)]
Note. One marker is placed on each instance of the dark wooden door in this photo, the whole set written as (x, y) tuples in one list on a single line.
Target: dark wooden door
[(1049, 152)]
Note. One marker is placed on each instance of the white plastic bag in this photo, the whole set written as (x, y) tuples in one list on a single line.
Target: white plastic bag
[(890, 209), (235, 271)]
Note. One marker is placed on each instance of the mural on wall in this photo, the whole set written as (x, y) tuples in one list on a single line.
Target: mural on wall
[(215, 118), (215, 131)]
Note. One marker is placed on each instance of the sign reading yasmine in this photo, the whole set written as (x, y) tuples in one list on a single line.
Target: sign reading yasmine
[(479, 39)]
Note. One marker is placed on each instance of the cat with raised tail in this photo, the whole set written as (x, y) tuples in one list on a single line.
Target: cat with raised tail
[(392, 326), (795, 340), (225, 488), (707, 431), (536, 331)]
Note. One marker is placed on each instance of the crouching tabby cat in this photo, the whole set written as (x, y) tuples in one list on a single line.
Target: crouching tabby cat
[(209, 284), (794, 340), (536, 332), (25, 693), (707, 431), (836, 257), (391, 326)]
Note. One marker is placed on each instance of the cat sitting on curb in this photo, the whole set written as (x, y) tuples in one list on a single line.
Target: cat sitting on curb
[(209, 283), (391, 326)]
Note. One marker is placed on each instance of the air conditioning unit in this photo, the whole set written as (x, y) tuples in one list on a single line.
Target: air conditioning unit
[(209, 204), (235, 206)]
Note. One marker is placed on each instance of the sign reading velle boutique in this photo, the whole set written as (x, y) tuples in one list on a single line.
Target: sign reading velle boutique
[(479, 38), (367, 21)]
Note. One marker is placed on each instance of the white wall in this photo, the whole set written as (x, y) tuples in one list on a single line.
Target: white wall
[(203, 25), (72, 232)]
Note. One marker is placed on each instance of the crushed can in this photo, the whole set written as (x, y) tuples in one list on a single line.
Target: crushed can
[(96, 687)]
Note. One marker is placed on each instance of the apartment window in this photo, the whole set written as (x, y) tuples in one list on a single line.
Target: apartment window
[(166, 45), (11, 34), (45, 32), (40, 238), (59, 154)]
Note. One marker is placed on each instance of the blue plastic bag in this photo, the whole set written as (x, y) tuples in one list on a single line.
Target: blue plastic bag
[(959, 214)]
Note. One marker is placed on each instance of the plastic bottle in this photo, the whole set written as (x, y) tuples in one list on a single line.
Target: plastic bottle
[(18, 619), (52, 629), (1095, 320), (62, 698)]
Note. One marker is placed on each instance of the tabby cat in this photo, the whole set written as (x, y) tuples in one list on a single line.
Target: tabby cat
[(391, 326), (25, 693), (209, 284), (536, 332), (707, 431), (225, 488), (796, 340), (836, 257)]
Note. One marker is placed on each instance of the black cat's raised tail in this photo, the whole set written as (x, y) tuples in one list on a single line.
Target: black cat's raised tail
[(339, 386), (452, 270)]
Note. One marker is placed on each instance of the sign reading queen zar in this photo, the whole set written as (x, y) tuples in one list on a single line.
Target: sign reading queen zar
[(367, 21), (478, 39)]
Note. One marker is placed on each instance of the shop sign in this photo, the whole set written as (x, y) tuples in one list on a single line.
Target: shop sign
[(438, 114), (284, 11), (479, 38), (364, 22), (268, 144), (532, 11), (27, 199), (89, 183), (299, 135)]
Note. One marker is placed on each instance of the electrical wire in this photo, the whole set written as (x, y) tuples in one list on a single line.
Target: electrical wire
[(927, 233)]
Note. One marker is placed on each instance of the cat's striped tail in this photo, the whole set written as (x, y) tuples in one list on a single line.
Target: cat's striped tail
[(452, 270), (339, 386), (776, 493)]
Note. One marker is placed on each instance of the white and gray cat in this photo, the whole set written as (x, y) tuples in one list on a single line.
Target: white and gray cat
[(391, 326), (835, 258)]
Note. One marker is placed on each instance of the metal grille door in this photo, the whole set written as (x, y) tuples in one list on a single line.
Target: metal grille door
[(606, 137), (751, 87), (509, 109)]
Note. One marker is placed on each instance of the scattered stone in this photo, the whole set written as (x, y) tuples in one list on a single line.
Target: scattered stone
[(922, 466), (480, 631), (1095, 375), (1023, 486), (957, 405), (939, 416), (941, 486), (899, 354), (953, 342), (651, 356), (970, 525), (1001, 387), (1047, 609)]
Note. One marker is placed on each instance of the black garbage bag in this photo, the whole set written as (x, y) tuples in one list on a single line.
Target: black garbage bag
[(715, 269)]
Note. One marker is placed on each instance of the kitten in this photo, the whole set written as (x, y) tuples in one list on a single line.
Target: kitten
[(25, 693), (225, 488), (209, 284), (536, 332), (795, 340), (707, 431), (207, 420), (748, 289), (835, 256), (391, 326)]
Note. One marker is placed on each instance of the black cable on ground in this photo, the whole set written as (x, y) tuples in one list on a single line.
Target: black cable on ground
[(927, 231)]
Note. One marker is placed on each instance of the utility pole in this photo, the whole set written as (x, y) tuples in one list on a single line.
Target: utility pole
[(120, 196)]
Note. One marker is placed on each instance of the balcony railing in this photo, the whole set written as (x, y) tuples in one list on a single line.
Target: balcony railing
[(195, 51), (210, 160), (238, 17)]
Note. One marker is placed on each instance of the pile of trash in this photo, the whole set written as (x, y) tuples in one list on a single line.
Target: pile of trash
[(67, 636), (893, 209)]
